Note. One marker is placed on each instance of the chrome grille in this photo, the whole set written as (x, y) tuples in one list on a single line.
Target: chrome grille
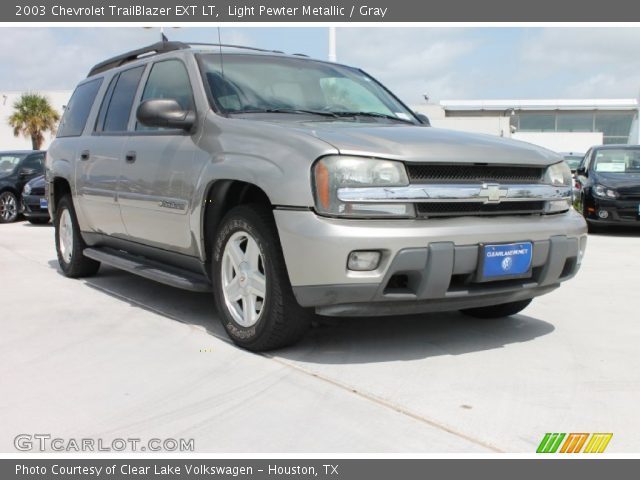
[(461, 173)]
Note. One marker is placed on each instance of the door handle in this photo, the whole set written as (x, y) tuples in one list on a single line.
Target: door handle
[(85, 154), (130, 157)]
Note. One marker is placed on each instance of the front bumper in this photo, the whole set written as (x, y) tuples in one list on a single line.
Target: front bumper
[(619, 212), (427, 265), (31, 207)]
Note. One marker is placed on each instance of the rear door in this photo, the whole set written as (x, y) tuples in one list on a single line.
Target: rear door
[(158, 179), (104, 154)]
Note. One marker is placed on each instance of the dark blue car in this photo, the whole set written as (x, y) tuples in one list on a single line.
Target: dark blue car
[(34, 201), (16, 169)]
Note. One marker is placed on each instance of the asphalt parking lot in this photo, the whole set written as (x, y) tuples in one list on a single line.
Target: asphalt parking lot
[(119, 356)]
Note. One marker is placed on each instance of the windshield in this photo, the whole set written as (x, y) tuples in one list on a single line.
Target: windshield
[(9, 161), (623, 160), (257, 83)]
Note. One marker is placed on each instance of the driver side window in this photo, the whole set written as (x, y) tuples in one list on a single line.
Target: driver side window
[(168, 79)]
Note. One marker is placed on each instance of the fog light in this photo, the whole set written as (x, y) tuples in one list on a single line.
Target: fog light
[(603, 213), (363, 261)]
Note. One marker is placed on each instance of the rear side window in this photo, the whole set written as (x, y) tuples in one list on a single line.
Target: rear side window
[(116, 106), (36, 162), (77, 111), (168, 79)]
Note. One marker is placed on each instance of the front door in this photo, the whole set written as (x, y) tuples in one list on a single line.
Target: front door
[(158, 178)]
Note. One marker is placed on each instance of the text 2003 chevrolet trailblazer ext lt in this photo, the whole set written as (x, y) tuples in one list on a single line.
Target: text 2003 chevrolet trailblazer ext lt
[(291, 186)]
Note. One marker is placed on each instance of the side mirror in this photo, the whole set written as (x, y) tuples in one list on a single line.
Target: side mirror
[(27, 172), (423, 119), (165, 113), (581, 171)]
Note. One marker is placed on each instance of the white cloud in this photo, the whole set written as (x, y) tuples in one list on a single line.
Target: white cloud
[(591, 62), (410, 61), (40, 59)]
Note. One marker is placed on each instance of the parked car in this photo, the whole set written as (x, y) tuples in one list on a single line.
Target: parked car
[(573, 159), (34, 202), (16, 169), (290, 187), (609, 186)]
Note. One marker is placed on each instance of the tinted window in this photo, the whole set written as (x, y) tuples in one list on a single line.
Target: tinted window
[(537, 122), (575, 122), (116, 106), (77, 111), (9, 161), (35, 161), (168, 79)]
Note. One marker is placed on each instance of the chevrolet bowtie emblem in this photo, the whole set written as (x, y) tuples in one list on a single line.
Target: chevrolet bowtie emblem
[(492, 193)]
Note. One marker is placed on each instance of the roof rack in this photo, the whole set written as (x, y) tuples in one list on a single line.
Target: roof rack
[(158, 48)]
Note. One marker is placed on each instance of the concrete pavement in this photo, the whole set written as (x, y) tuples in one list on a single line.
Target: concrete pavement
[(120, 356)]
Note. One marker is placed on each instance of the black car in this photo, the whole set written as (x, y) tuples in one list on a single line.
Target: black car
[(16, 169), (34, 201), (608, 180)]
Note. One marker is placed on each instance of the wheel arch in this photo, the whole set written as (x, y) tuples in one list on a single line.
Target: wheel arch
[(220, 197), (60, 187)]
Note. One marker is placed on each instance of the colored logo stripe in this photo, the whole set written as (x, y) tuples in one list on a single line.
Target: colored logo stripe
[(598, 442), (550, 443), (574, 442)]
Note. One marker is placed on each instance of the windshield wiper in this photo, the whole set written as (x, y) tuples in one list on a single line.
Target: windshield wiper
[(288, 110), (373, 114)]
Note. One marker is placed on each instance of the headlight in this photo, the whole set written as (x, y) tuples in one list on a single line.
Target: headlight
[(558, 174), (334, 172), (604, 192), (27, 189)]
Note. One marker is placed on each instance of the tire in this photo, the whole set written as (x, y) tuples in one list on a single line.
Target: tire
[(9, 209), (255, 275), (497, 311), (69, 243), (38, 221)]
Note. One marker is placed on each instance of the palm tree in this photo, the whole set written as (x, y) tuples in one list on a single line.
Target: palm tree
[(33, 116)]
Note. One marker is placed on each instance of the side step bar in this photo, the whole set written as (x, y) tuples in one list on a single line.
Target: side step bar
[(175, 277)]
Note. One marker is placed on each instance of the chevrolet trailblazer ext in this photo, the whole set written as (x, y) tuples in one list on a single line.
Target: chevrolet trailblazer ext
[(291, 186)]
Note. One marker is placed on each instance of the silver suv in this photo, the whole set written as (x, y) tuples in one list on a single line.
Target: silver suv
[(291, 187)]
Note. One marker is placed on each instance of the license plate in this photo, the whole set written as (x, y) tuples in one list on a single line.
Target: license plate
[(511, 260), (44, 203)]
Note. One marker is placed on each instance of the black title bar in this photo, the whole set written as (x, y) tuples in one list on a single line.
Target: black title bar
[(232, 11)]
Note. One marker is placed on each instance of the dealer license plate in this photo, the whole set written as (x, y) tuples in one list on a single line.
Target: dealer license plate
[(44, 203), (511, 260)]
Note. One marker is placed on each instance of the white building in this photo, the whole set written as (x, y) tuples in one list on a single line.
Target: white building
[(57, 98), (560, 125)]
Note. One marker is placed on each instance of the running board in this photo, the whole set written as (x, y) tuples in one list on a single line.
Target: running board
[(175, 277)]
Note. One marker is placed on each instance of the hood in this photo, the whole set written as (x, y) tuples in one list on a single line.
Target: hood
[(37, 182), (618, 180), (424, 144)]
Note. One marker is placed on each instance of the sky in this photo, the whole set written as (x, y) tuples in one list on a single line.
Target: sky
[(442, 63)]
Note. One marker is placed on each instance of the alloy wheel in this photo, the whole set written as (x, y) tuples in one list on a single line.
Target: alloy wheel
[(8, 207), (244, 282), (65, 235)]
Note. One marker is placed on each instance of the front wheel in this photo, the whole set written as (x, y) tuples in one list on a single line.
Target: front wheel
[(497, 311), (8, 207), (69, 243), (254, 297)]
